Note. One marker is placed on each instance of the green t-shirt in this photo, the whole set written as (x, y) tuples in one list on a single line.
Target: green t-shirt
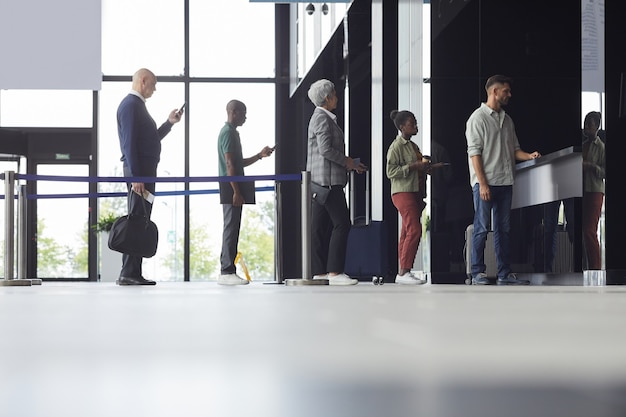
[(229, 141)]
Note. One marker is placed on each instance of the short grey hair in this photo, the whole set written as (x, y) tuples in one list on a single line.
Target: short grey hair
[(319, 90)]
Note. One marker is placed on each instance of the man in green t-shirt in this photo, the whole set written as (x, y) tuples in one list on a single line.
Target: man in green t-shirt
[(233, 194)]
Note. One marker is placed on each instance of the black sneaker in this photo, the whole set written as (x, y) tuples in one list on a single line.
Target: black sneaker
[(511, 279)]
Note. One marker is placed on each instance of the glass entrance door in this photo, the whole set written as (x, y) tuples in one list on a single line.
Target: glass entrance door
[(62, 228)]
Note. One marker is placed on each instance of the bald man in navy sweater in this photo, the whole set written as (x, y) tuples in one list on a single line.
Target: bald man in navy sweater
[(140, 143)]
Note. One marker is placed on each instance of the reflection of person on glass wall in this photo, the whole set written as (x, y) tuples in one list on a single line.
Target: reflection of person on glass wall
[(440, 185), (550, 214), (593, 187)]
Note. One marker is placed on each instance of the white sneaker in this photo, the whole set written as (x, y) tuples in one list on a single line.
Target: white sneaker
[(323, 276), (410, 279), (341, 279), (231, 279)]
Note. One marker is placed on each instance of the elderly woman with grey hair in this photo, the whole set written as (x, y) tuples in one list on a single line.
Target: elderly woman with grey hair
[(328, 165)]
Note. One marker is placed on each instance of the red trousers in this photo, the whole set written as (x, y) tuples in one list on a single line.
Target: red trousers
[(592, 209), (410, 207)]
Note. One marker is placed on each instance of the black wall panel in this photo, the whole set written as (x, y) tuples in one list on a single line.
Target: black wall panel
[(615, 204)]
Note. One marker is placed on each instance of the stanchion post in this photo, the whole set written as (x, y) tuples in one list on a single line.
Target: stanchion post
[(352, 198), (305, 225), (22, 243), (9, 233), (22, 240), (278, 235)]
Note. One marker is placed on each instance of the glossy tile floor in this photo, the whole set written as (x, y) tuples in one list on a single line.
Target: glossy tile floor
[(198, 349)]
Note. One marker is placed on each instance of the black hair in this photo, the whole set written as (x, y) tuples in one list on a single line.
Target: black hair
[(596, 116), (497, 79), (399, 117)]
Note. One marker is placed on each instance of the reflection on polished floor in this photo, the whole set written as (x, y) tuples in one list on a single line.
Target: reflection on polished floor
[(198, 349)]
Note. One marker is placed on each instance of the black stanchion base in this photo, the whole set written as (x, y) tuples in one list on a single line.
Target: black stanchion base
[(304, 282)]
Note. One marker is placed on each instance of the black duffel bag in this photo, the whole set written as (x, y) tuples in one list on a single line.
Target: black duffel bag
[(135, 235)]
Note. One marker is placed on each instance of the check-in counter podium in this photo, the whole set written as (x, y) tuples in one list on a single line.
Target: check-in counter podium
[(553, 177)]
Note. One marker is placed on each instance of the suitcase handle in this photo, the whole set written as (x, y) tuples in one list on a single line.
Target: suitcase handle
[(368, 215)]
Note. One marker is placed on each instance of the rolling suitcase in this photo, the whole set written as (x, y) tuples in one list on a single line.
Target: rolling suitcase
[(490, 254), (366, 254)]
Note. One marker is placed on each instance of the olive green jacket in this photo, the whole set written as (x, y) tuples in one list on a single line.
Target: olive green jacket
[(400, 155)]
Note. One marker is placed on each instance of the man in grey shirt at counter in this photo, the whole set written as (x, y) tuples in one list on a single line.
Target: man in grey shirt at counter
[(492, 149)]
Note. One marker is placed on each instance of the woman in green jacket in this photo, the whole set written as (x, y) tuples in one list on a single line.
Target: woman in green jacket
[(407, 169)]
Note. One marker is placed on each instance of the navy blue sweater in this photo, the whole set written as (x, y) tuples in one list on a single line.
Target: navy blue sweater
[(140, 140)]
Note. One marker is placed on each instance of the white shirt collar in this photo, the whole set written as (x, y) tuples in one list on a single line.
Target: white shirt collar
[(136, 93), (498, 115)]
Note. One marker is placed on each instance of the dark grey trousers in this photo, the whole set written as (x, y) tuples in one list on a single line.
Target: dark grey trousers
[(230, 237)]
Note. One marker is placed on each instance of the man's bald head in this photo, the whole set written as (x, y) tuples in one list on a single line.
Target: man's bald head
[(234, 105), (144, 82), (236, 112)]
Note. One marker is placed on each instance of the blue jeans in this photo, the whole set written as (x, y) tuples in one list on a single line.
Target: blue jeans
[(500, 203)]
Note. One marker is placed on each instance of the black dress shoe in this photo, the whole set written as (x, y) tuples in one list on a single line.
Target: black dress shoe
[(134, 281)]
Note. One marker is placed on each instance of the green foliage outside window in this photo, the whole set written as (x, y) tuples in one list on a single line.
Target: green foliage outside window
[(256, 241)]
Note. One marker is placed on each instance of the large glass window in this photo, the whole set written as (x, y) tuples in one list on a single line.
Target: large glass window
[(62, 244), (232, 38), (208, 117), (143, 33), (46, 108), (208, 112), (229, 40), (168, 211), (169, 96), (221, 45), (316, 23)]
